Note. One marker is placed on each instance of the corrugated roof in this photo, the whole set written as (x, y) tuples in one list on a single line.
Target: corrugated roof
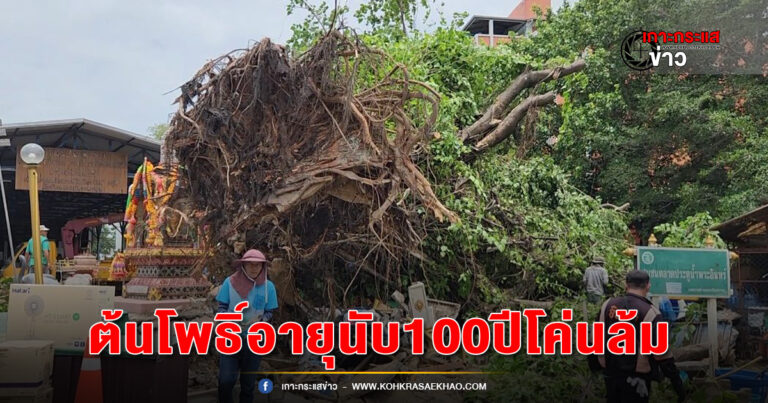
[(81, 134), (501, 25), (56, 208), (731, 229)]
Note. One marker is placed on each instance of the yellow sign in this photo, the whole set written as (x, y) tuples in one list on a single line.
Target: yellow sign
[(65, 170)]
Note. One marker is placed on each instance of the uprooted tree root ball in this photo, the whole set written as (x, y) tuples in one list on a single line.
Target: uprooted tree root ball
[(296, 158)]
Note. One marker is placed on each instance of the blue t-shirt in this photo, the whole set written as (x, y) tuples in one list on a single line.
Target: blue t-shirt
[(257, 303), (45, 246)]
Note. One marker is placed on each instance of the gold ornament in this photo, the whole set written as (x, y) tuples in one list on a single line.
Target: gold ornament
[(154, 295)]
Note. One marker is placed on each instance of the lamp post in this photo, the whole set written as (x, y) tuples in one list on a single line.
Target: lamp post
[(32, 155)]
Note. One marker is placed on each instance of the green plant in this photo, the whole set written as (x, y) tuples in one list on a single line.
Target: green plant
[(5, 287), (691, 232)]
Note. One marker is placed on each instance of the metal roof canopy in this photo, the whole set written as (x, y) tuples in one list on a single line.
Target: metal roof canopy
[(81, 134), (478, 24), (746, 230), (56, 208)]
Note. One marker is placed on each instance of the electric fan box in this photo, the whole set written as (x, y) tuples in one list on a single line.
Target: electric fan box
[(60, 313)]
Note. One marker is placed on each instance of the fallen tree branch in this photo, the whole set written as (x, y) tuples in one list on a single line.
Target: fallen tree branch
[(502, 101), (622, 208), (509, 123), (534, 304)]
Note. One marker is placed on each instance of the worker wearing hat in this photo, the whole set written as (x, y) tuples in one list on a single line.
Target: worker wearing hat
[(46, 250), (595, 280), (248, 283)]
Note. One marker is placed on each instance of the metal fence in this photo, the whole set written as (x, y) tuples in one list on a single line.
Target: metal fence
[(749, 276)]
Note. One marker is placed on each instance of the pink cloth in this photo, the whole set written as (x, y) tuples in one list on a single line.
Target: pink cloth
[(243, 284)]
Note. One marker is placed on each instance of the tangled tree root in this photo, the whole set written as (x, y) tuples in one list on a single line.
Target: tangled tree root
[(295, 155)]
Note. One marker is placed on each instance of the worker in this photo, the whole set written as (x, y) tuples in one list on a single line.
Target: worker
[(595, 280), (46, 250), (248, 283), (628, 377)]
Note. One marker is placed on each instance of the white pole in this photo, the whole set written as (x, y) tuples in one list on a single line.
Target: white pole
[(490, 33), (712, 330), (5, 202), (5, 209)]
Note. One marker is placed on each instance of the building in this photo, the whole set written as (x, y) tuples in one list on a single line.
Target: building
[(525, 10), (83, 187), (494, 30), (747, 235)]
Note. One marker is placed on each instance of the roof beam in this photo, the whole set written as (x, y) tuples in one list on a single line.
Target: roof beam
[(136, 154), (82, 143), (58, 143), (122, 144), (95, 134), (72, 131)]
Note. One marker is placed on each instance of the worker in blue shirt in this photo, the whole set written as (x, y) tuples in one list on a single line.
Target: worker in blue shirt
[(248, 283), (44, 254)]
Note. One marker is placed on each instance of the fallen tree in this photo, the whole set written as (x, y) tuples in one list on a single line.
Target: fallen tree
[(312, 158)]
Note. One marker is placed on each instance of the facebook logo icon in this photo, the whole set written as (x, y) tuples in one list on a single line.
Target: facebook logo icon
[(265, 386)]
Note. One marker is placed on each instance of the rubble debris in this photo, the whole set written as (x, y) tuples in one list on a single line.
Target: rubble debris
[(692, 352)]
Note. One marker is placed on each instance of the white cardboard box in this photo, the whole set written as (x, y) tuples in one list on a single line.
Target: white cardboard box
[(40, 394), (62, 313), (25, 363)]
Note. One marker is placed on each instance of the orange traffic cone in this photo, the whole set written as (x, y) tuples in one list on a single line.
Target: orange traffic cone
[(89, 389)]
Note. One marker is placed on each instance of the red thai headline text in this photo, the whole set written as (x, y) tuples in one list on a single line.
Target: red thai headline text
[(502, 332)]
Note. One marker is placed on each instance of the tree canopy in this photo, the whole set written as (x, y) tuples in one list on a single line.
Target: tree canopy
[(537, 206)]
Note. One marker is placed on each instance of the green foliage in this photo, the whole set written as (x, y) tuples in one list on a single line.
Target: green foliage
[(524, 228), (107, 241), (522, 222), (530, 229), (5, 288), (694, 314), (528, 378), (390, 20), (321, 18), (670, 145), (157, 131), (692, 232)]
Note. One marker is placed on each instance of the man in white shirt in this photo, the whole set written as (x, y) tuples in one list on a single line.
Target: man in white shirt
[(595, 280)]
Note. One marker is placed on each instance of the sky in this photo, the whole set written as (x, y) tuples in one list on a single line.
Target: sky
[(121, 62)]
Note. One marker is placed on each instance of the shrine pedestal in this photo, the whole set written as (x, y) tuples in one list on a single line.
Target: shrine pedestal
[(162, 278)]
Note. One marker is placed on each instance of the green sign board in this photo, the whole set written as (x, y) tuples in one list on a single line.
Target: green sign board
[(686, 272)]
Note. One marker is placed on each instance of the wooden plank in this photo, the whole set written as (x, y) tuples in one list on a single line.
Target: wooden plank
[(65, 170)]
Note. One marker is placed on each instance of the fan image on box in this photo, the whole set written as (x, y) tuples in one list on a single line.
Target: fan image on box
[(33, 307)]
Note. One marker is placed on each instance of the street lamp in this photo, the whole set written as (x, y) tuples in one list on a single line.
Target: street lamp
[(32, 155)]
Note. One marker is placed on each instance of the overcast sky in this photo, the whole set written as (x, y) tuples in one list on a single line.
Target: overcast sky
[(112, 61)]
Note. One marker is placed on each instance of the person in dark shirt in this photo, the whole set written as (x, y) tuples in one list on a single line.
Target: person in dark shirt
[(628, 377)]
